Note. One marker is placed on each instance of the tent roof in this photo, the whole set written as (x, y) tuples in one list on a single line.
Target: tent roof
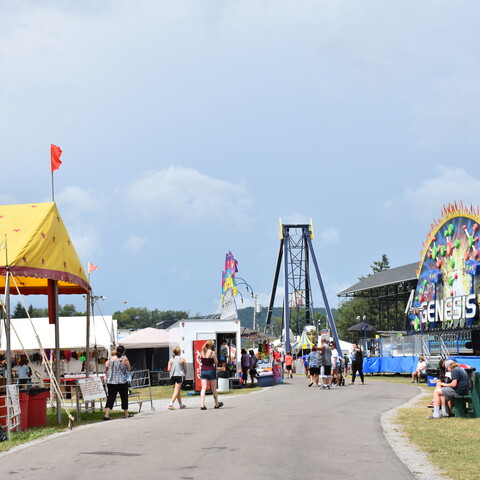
[(38, 248), (73, 333), (146, 338)]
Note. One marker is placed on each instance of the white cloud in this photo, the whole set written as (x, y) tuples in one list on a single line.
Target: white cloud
[(85, 239), (186, 195), (7, 199), (134, 244), (76, 201), (81, 211), (329, 236), (449, 185)]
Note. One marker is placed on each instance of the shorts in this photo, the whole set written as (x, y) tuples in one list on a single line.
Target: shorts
[(327, 370), (289, 368), (208, 375), (448, 392), (314, 370), (222, 358), (176, 379)]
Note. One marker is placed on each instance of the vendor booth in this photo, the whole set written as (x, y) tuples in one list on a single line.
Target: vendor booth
[(147, 349), (37, 257)]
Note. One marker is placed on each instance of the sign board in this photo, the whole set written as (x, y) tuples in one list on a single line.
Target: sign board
[(91, 388), (14, 399), (447, 295)]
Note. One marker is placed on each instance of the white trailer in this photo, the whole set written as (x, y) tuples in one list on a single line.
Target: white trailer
[(184, 332)]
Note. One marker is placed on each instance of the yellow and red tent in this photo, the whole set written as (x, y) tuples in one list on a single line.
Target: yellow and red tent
[(36, 247)]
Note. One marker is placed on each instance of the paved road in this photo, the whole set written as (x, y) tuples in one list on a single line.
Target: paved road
[(288, 431)]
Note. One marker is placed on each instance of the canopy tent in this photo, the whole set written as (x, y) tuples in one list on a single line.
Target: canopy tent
[(37, 248), (146, 338), (304, 343), (147, 348), (37, 257), (73, 333)]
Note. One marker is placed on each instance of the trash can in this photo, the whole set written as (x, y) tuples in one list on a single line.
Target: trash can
[(37, 406), (24, 397), (3, 410), (223, 381)]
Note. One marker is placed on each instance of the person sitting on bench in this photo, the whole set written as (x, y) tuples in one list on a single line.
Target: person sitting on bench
[(445, 392), (420, 370)]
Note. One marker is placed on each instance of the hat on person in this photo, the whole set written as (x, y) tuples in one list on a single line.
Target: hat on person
[(448, 362)]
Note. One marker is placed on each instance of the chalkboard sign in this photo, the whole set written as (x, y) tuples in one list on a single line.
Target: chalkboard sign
[(91, 388)]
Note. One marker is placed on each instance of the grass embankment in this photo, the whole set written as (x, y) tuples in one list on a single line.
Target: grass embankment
[(450, 443), (158, 393)]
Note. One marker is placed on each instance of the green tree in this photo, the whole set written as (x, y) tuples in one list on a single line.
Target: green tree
[(19, 311), (137, 318), (68, 310), (358, 306)]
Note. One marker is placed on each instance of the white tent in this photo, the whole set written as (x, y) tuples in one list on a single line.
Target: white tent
[(146, 338), (73, 333)]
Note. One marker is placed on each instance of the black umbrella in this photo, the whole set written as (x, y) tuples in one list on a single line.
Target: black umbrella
[(361, 327)]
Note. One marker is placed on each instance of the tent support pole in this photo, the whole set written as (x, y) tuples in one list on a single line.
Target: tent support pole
[(87, 340), (53, 318), (7, 327)]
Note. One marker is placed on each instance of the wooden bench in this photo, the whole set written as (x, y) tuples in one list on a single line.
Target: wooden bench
[(468, 406)]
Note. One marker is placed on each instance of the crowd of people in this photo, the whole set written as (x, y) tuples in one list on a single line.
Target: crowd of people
[(326, 363)]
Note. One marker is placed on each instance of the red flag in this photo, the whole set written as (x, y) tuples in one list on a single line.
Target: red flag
[(91, 268), (55, 153)]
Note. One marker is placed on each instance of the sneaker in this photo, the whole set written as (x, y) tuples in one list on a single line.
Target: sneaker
[(430, 417), (182, 406), (171, 407), (430, 405)]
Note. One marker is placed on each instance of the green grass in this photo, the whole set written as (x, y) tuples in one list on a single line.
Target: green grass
[(450, 443), (19, 438)]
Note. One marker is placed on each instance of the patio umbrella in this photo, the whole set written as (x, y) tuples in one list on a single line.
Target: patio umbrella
[(360, 327)]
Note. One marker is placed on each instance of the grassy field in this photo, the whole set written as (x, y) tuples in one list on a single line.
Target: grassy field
[(450, 443)]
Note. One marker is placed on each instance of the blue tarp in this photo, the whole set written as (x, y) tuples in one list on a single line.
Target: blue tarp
[(406, 364), (389, 364)]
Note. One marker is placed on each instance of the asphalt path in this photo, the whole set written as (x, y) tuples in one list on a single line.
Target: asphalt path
[(287, 431)]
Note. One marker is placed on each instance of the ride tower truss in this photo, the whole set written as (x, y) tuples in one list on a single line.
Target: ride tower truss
[(296, 250)]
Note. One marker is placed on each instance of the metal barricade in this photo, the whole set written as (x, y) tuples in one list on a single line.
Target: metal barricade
[(140, 380)]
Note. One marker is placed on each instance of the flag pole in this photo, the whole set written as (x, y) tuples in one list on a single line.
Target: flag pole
[(53, 190)]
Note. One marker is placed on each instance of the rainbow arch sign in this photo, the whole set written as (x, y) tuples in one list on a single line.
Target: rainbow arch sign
[(447, 292)]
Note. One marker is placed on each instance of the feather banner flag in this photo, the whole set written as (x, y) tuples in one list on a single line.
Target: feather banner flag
[(55, 153), (92, 267)]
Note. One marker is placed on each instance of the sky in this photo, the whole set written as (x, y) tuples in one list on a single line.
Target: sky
[(190, 128)]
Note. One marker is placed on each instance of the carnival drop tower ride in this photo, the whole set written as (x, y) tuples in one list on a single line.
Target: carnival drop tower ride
[(296, 251)]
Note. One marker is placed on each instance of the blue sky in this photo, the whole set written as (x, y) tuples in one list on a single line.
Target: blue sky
[(188, 128)]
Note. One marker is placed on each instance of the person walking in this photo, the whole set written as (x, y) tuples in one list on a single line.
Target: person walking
[(335, 377), (253, 366), (177, 366), (289, 363), (245, 361), (357, 363), (117, 367), (326, 363), (208, 373), (314, 369)]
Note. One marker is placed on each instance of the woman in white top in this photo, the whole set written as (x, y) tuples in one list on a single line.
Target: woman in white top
[(335, 364), (420, 370), (177, 366)]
